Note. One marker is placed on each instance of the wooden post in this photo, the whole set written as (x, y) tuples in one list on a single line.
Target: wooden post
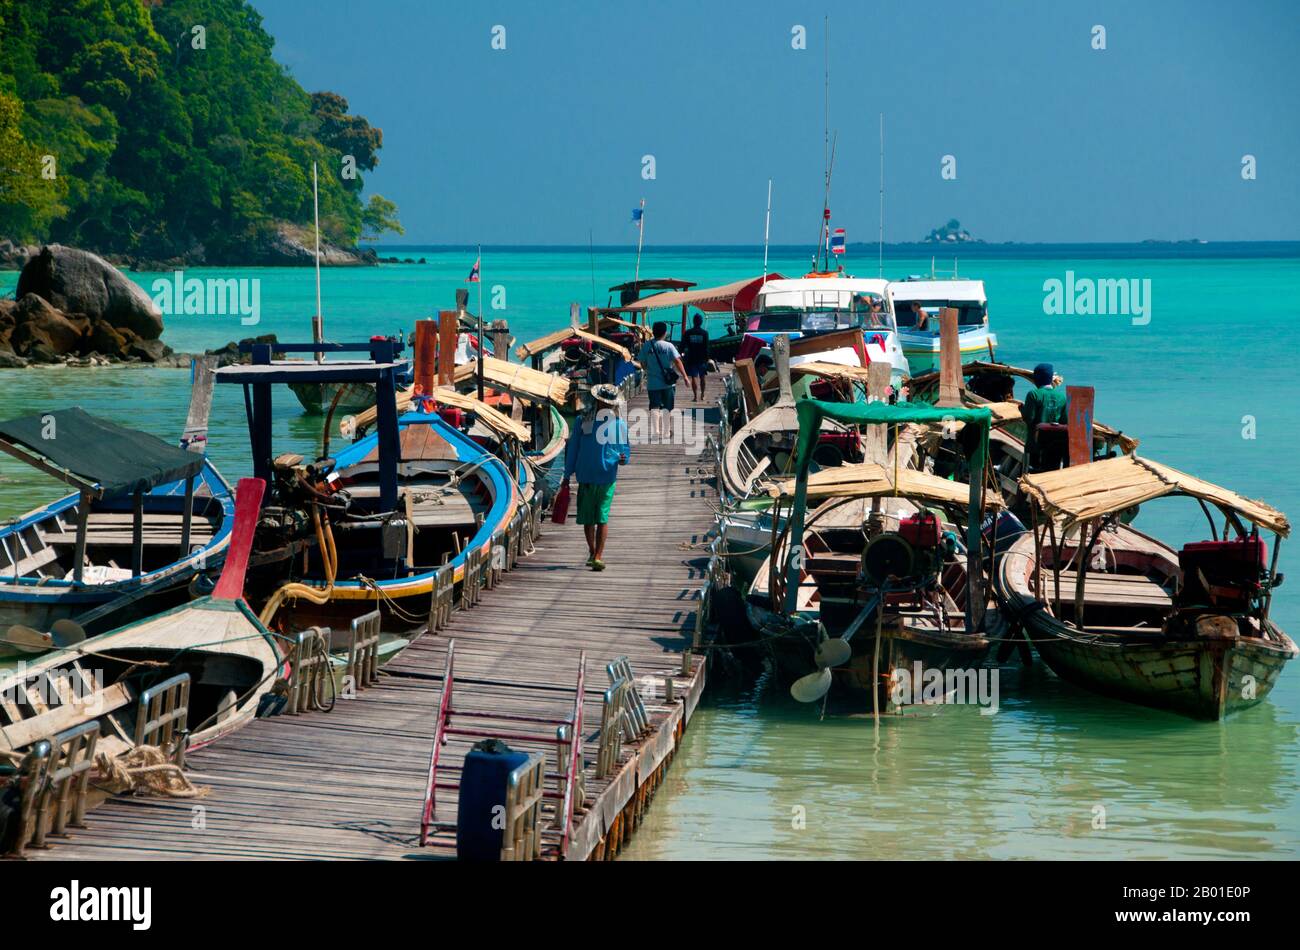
[(593, 321), (949, 360), (749, 385), (137, 534), (685, 308), (1078, 417), (875, 444), (448, 330), (426, 354), (187, 519), (501, 340), (79, 553)]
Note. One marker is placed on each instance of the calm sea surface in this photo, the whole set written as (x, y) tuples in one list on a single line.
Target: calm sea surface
[(1208, 385)]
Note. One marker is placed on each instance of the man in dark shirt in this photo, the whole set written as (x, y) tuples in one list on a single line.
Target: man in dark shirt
[(696, 343)]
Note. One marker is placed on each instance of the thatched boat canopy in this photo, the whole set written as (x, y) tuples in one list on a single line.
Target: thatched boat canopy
[(1083, 492), (872, 480)]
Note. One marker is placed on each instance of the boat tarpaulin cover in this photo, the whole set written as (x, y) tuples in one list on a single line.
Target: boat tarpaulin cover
[(870, 480), (1083, 492), (813, 411), (121, 461)]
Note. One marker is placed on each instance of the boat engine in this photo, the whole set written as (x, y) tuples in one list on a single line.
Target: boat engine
[(916, 551)]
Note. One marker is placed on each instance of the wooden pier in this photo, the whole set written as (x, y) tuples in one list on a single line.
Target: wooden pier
[(350, 783)]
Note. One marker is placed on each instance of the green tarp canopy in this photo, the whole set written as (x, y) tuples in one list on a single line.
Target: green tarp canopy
[(813, 411), (121, 461)]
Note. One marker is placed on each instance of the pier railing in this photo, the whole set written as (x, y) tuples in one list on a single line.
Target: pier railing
[(162, 715), (363, 651), (569, 793)]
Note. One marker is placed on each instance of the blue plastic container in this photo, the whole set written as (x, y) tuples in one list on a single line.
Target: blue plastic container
[(480, 813)]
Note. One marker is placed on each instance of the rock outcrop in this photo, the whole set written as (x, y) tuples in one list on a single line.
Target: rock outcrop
[(77, 281)]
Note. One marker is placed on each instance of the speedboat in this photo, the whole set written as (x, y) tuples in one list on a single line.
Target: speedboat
[(817, 304), (921, 343)]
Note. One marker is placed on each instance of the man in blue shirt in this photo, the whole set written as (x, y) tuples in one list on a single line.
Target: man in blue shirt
[(663, 367), (597, 446)]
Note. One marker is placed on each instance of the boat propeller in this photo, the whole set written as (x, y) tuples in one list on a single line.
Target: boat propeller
[(28, 640), (830, 652), (63, 634), (66, 633)]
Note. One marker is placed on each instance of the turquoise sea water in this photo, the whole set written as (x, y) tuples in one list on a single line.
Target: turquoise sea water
[(757, 777)]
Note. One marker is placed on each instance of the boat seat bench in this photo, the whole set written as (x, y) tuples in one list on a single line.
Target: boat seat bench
[(1101, 588)]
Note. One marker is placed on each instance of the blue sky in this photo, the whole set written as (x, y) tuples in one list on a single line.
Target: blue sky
[(1054, 141)]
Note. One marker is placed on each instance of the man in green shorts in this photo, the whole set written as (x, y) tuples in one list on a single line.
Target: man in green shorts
[(597, 446)]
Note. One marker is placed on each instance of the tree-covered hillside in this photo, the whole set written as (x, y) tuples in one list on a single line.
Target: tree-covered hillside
[(166, 129)]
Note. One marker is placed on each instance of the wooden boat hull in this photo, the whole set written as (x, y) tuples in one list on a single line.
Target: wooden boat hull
[(220, 644), (405, 600), (316, 398), (1201, 679), (902, 646), (39, 601)]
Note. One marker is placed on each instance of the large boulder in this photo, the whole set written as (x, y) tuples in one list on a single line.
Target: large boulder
[(78, 281), (39, 323)]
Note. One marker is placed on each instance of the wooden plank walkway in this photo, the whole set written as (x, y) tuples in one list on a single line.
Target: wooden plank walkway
[(350, 783)]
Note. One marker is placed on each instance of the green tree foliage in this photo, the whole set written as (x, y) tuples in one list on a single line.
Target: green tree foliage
[(380, 215), (173, 129)]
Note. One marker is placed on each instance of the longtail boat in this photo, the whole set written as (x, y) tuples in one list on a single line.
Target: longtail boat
[(414, 501), (144, 519), (879, 577), (212, 656), (1116, 611)]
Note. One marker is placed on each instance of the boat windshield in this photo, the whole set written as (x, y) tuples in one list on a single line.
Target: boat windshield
[(863, 310), (969, 313)]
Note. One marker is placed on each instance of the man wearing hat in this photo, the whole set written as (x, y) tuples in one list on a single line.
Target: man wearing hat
[(598, 445), (1044, 406)]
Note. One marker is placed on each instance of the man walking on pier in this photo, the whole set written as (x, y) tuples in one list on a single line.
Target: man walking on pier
[(663, 367), (597, 446), (696, 343)]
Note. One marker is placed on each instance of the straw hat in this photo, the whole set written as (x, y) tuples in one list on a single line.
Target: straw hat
[(605, 393)]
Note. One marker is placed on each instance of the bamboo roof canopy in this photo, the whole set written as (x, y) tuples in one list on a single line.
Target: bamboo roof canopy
[(871, 479), (552, 340), (517, 379), (1083, 492)]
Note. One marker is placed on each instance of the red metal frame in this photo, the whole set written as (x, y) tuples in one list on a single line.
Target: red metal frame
[(443, 729)]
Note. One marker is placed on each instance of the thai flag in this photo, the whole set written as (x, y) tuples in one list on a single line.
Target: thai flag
[(837, 241), (473, 271)]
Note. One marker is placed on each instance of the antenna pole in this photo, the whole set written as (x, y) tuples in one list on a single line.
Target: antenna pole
[(480, 323), (318, 324), (591, 254), (767, 228), (880, 247)]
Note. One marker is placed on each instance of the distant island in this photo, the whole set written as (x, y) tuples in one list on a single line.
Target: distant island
[(950, 233), (126, 129)]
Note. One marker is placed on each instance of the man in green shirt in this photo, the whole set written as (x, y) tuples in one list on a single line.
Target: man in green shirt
[(1044, 405)]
